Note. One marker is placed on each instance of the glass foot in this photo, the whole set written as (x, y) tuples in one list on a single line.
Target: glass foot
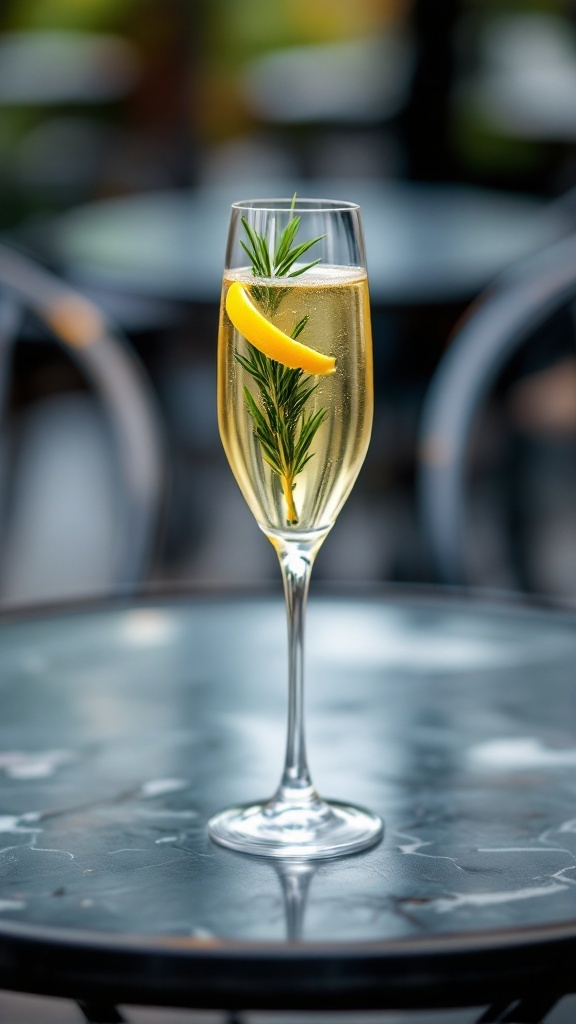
[(307, 830)]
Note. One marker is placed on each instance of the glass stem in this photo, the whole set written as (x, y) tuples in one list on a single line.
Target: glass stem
[(296, 561)]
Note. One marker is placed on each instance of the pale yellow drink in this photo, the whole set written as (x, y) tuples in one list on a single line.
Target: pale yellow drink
[(335, 299)]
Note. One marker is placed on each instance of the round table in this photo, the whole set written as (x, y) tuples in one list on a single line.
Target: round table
[(425, 243), (125, 725)]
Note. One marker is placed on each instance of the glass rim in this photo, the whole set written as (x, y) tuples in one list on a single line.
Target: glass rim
[(305, 205)]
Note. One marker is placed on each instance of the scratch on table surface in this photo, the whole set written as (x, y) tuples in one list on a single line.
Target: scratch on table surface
[(127, 849), (414, 849), (48, 849), (444, 904)]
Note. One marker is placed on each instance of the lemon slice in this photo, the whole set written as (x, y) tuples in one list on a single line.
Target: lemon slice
[(269, 339)]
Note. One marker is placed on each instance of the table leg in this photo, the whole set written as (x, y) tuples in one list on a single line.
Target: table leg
[(101, 1013), (519, 1011)]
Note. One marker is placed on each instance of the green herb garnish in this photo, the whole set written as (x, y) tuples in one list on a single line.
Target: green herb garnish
[(282, 426)]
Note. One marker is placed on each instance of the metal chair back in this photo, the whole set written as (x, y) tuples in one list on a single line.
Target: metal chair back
[(504, 318), (119, 383)]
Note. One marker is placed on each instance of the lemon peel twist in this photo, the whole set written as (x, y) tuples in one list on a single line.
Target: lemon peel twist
[(269, 339)]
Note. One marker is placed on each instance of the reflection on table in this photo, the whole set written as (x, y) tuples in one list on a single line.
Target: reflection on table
[(125, 727)]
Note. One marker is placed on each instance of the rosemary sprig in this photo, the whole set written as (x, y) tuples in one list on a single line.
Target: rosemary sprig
[(266, 263), (283, 427)]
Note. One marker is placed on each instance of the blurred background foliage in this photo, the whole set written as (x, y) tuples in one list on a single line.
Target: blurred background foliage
[(100, 97)]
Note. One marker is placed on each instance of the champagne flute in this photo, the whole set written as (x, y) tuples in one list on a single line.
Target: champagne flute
[(295, 403)]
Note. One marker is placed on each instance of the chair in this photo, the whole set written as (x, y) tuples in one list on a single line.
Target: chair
[(520, 304), (120, 419)]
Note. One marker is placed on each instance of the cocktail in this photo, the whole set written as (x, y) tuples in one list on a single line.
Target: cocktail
[(295, 402)]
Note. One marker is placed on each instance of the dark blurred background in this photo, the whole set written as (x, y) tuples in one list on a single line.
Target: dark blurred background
[(128, 126)]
